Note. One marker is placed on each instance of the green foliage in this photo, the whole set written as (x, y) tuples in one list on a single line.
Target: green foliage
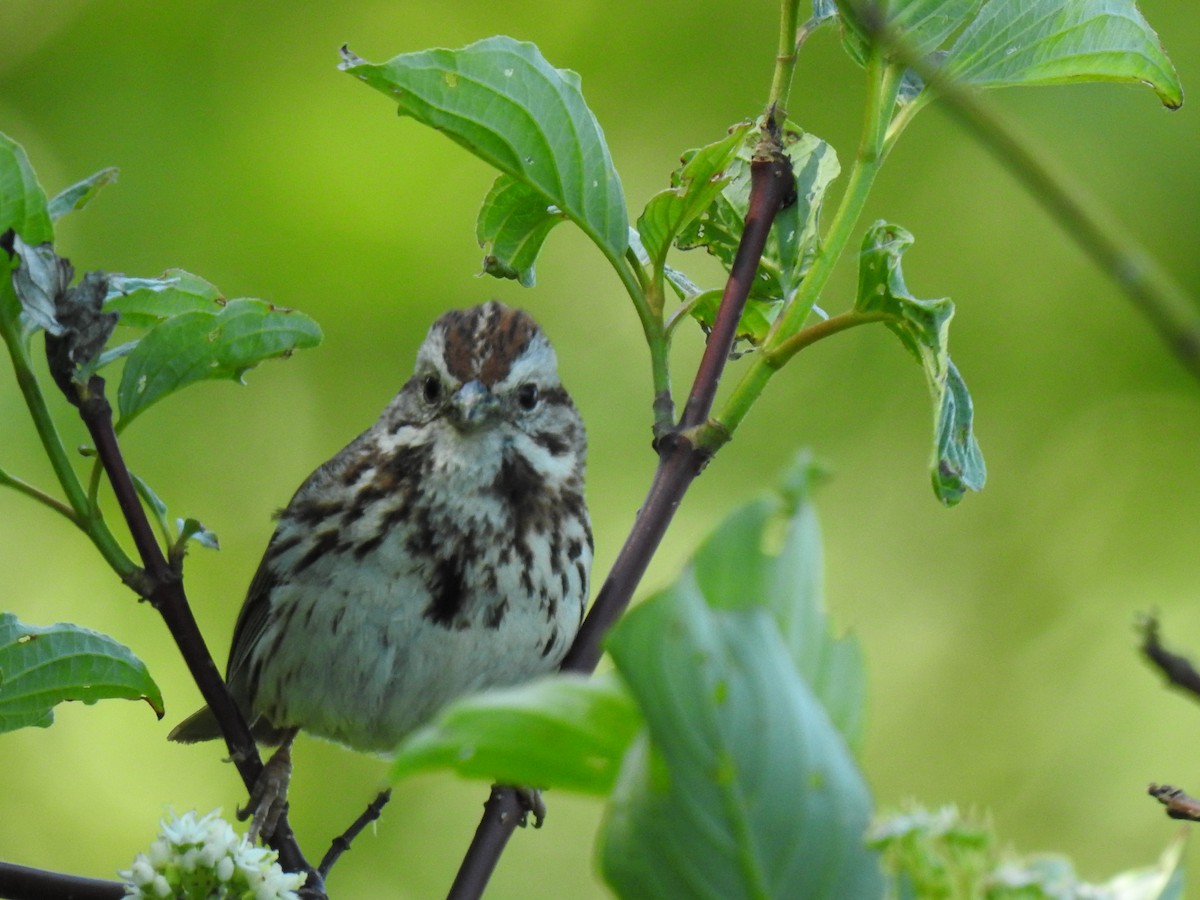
[(42, 667), (769, 554), (564, 731), (795, 237), (923, 326), (741, 786), (501, 100), (730, 726), (1051, 42), (222, 342), (943, 855), (22, 200)]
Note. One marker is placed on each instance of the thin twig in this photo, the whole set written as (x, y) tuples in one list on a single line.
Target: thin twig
[(1179, 805), (163, 587), (24, 883), (1178, 670), (341, 843)]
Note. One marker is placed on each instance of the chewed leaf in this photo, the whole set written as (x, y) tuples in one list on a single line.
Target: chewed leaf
[(198, 345), (80, 194), (694, 186), (512, 226), (501, 100), (794, 237), (144, 302), (1051, 42), (923, 326), (42, 667)]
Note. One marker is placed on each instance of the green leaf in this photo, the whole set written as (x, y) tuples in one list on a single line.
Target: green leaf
[(22, 200), (563, 731), (514, 222), (923, 326), (769, 554), (80, 194), (501, 100), (923, 24), (193, 530), (1052, 42), (198, 345), (144, 302), (756, 320), (795, 236), (742, 787), (694, 186), (42, 667)]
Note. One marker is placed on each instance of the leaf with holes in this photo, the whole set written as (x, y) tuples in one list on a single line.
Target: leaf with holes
[(794, 237), (198, 345), (923, 326)]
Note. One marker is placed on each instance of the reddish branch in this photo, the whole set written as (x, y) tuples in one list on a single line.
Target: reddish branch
[(772, 187)]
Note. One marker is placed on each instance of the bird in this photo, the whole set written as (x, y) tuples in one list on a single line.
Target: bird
[(445, 550)]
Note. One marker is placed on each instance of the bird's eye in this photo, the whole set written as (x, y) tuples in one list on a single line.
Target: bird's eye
[(527, 396), (431, 389)]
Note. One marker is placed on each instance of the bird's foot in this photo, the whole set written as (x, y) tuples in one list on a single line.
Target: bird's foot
[(268, 800)]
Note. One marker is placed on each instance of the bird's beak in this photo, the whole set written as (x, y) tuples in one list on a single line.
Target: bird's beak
[(472, 405)]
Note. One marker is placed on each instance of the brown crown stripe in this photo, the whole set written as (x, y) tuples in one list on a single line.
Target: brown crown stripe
[(482, 342)]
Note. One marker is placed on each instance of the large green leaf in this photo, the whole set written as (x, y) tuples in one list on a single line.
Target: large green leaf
[(768, 554), (923, 24), (742, 786), (197, 345), (562, 731), (22, 200), (1052, 42), (42, 667), (505, 103), (923, 326)]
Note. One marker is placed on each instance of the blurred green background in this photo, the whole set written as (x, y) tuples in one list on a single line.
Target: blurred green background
[(1002, 664)]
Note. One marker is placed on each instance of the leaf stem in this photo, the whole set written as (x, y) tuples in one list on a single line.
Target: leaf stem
[(634, 279), (162, 585), (821, 330), (24, 487), (883, 83), (785, 57), (84, 513)]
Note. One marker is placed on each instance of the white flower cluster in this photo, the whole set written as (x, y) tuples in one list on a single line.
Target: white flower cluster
[(203, 858)]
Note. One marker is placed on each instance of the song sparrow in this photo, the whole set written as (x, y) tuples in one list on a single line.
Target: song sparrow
[(445, 550)]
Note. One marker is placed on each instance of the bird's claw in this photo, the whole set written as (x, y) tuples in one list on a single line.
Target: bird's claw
[(268, 800)]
